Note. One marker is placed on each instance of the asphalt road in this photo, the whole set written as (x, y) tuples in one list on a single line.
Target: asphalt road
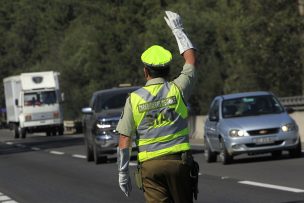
[(54, 169)]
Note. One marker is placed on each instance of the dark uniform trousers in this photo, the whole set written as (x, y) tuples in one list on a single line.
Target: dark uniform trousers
[(166, 180)]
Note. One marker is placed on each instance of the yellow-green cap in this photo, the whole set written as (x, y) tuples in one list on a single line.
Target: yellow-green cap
[(156, 56)]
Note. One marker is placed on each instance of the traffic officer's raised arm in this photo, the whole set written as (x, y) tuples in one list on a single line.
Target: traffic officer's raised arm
[(185, 46)]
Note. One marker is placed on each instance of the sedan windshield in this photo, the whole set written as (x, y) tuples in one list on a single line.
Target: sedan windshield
[(251, 106)]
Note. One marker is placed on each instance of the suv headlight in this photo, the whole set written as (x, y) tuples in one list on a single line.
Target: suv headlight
[(288, 127), (102, 126), (236, 133)]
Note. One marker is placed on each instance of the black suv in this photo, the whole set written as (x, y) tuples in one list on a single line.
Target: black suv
[(100, 120)]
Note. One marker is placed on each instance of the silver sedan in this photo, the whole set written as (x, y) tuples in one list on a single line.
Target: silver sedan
[(251, 123)]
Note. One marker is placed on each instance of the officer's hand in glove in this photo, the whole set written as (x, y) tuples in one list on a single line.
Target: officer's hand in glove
[(174, 21), (125, 183)]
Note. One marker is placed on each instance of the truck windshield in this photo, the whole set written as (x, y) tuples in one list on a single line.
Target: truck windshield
[(40, 98), (251, 106)]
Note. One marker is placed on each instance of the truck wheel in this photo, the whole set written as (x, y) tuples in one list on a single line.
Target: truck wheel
[(225, 157), (22, 132), (210, 156), (16, 130), (60, 131)]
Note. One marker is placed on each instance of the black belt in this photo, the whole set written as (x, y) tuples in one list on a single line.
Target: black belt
[(175, 156)]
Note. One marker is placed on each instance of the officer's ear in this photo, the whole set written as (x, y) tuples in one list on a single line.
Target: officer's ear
[(146, 73)]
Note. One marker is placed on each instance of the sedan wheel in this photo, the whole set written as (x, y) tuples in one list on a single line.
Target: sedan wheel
[(296, 152), (224, 156), (210, 156)]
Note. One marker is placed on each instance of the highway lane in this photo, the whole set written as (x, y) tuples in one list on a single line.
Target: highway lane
[(54, 169)]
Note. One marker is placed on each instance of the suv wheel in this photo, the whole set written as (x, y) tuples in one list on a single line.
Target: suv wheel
[(97, 158), (89, 151), (296, 152), (224, 156), (210, 156)]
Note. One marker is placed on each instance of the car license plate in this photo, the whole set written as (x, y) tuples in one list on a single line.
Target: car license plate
[(263, 140)]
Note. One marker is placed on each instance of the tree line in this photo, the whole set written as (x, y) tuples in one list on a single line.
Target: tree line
[(243, 45)]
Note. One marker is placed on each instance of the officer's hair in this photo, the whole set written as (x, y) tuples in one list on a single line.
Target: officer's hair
[(162, 72)]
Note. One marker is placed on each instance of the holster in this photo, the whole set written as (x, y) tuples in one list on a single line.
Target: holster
[(138, 177), (187, 158)]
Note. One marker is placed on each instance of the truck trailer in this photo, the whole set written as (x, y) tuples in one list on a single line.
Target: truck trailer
[(34, 103)]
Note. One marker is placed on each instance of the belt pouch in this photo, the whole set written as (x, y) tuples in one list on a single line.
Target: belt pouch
[(138, 178)]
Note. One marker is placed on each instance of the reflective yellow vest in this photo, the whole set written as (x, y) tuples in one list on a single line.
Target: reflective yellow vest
[(160, 117)]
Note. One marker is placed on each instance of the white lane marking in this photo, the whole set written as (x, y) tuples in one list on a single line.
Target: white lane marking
[(9, 201), (56, 152), (3, 198), (9, 143), (289, 189), (79, 156), (133, 163), (35, 148)]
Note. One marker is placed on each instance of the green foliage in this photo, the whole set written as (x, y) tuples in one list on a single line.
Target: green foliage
[(242, 45)]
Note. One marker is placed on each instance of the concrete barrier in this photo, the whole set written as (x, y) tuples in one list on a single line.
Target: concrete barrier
[(196, 125)]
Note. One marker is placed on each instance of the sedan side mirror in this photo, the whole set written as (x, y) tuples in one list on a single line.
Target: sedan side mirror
[(290, 110), (213, 118)]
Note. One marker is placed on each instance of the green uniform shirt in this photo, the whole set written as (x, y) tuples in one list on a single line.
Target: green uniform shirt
[(184, 82)]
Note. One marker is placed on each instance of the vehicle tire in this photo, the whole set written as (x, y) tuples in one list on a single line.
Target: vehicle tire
[(210, 156), (48, 133), (22, 132), (224, 156), (16, 130), (276, 154), (296, 152), (97, 158), (89, 151), (61, 130)]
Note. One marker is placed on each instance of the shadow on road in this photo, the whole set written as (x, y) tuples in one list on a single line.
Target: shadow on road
[(41, 143), (264, 158)]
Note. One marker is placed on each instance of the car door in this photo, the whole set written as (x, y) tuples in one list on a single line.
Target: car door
[(91, 118), (211, 125)]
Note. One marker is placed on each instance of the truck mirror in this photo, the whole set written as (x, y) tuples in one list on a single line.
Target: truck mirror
[(62, 97), (16, 102)]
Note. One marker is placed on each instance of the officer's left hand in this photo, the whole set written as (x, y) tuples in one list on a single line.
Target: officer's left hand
[(125, 182)]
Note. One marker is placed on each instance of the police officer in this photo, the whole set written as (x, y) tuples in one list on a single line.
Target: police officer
[(157, 114)]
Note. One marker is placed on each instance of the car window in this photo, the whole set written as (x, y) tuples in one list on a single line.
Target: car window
[(110, 100), (214, 110), (251, 106)]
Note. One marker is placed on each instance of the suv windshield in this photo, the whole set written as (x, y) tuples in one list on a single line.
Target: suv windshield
[(251, 106), (110, 101), (40, 98)]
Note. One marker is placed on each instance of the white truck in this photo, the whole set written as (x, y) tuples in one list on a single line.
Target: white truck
[(33, 103)]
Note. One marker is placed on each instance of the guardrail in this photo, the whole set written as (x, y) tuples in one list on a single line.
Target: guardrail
[(296, 102)]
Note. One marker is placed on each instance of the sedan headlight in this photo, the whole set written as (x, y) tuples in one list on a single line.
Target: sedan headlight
[(236, 133), (288, 127)]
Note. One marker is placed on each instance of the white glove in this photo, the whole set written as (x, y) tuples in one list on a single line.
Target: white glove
[(125, 182), (123, 169), (174, 21)]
